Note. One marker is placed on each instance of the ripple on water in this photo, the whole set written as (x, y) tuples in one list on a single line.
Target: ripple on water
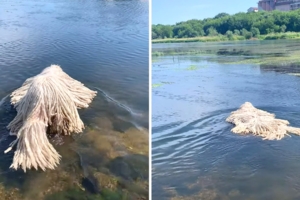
[(206, 146), (102, 44), (195, 153)]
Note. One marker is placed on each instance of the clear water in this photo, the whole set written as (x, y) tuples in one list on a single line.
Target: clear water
[(194, 153), (103, 44)]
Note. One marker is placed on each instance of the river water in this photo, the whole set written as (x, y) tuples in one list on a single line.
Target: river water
[(103, 44), (194, 153)]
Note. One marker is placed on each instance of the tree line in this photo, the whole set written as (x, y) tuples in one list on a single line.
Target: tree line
[(243, 24)]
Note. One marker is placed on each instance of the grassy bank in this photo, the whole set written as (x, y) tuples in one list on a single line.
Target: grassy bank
[(219, 38)]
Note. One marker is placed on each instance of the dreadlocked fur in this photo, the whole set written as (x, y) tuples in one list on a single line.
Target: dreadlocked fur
[(47, 101), (248, 119)]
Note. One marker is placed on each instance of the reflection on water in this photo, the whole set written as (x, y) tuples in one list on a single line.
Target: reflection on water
[(194, 154), (103, 44)]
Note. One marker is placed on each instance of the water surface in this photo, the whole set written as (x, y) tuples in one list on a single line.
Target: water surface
[(194, 153), (103, 44)]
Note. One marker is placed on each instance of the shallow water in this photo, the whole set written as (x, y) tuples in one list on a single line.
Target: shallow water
[(103, 44), (194, 153)]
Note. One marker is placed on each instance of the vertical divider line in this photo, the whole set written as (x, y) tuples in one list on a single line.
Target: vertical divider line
[(150, 99)]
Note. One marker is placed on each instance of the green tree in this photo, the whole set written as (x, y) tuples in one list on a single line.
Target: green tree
[(237, 32), (211, 31), (248, 24), (220, 15), (246, 33), (184, 31), (255, 31), (154, 35), (283, 28), (229, 35), (167, 31)]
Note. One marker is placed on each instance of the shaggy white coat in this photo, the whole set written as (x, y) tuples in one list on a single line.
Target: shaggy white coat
[(250, 120), (47, 101)]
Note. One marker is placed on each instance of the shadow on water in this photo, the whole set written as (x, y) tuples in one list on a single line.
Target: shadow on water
[(194, 153)]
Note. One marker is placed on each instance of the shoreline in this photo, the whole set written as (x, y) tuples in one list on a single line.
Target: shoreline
[(223, 38)]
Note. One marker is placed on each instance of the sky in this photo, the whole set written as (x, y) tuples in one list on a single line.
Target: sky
[(173, 11)]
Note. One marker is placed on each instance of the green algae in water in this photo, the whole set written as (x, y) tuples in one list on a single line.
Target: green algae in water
[(157, 53), (192, 68), (268, 59), (167, 82), (155, 60), (161, 84), (117, 162), (156, 85), (76, 194), (294, 74), (117, 176)]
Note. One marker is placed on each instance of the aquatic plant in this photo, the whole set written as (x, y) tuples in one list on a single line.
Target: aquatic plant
[(294, 74), (266, 60), (192, 67), (155, 85), (45, 102), (106, 152), (157, 53), (250, 120), (154, 59)]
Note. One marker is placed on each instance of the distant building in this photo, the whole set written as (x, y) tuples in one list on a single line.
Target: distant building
[(267, 5), (295, 5), (253, 9), (282, 5), (260, 8)]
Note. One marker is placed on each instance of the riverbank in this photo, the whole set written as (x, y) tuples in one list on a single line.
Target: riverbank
[(275, 60), (280, 53), (220, 38)]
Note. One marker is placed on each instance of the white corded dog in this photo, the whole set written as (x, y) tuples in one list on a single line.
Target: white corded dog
[(50, 101), (248, 119)]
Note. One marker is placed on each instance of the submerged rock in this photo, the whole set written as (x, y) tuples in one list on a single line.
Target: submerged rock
[(99, 164), (234, 193), (116, 161), (9, 194), (207, 194), (130, 167)]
